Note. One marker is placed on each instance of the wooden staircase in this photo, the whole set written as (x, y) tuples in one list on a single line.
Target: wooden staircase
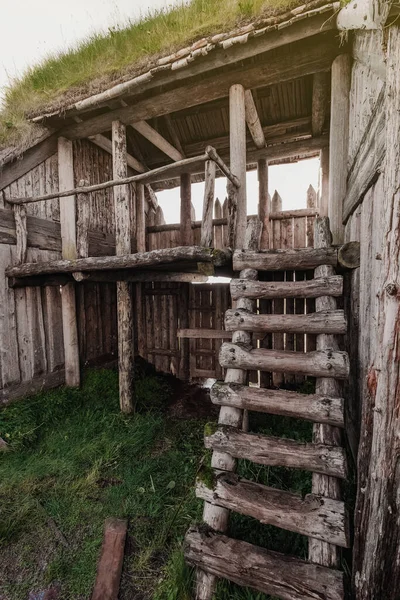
[(320, 515)]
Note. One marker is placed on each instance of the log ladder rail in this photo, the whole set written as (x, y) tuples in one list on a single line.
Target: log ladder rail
[(321, 515)]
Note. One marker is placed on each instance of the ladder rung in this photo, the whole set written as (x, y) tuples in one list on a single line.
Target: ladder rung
[(268, 572), (327, 321), (314, 516), (279, 452), (282, 260), (313, 288), (311, 407), (321, 363)]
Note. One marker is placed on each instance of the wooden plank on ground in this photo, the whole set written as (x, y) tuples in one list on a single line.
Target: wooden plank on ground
[(109, 568)]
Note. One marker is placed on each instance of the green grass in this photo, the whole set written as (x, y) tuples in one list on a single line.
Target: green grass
[(76, 460), (108, 56)]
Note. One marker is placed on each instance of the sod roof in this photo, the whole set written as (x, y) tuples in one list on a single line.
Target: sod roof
[(162, 40)]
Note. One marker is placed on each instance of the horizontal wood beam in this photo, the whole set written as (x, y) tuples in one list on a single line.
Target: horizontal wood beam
[(314, 516), (311, 407), (312, 288), (204, 334), (282, 260), (188, 165), (320, 363), (305, 57), (328, 321), (157, 140), (268, 572), (186, 255), (279, 452)]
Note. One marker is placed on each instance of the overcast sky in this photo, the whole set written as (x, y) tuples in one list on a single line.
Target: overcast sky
[(30, 30)]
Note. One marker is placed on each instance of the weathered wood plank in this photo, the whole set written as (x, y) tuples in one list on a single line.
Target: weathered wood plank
[(237, 133), (282, 260), (206, 238), (31, 159), (329, 321), (279, 452), (311, 407), (69, 252), (109, 568), (320, 95), (313, 288), (269, 572), (313, 516), (140, 260), (253, 120), (209, 334), (123, 213), (322, 363)]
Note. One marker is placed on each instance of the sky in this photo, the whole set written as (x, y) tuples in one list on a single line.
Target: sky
[(31, 30)]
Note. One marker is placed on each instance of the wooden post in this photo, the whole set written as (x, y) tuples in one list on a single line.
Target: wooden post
[(237, 128), (82, 226), (279, 304), (321, 552), (218, 242), (206, 239), (123, 246), (263, 201), (186, 210), (324, 182), (216, 516), (21, 232), (339, 142), (140, 247), (69, 251)]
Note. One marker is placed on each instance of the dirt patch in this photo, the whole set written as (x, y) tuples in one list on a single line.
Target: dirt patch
[(192, 402)]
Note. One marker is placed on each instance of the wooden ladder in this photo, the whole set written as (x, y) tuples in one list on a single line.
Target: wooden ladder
[(321, 515)]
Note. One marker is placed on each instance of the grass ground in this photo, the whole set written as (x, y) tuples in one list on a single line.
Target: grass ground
[(74, 460), (105, 57)]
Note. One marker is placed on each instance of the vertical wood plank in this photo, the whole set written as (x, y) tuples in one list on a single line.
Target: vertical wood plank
[(339, 142), (186, 210), (69, 251), (218, 228), (206, 238), (237, 133), (122, 210), (263, 201)]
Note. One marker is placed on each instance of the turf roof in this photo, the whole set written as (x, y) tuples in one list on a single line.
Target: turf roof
[(104, 59)]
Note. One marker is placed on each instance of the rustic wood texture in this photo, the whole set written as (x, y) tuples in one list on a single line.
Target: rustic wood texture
[(279, 452), (253, 120), (266, 571), (311, 407), (339, 143), (69, 252), (376, 572), (313, 288), (186, 206), (329, 321), (321, 552), (122, 211), (206, 238), (237, 125), (314, 516), (281, 260), (321, 363), (109, 568)]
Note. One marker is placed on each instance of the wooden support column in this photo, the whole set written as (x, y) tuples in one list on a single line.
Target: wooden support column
[(321, 552), (206, 239), (69, 251), (140, 247), (339, 142), (324, 182), (122, 209), (186, 210), (216, 516), (237, 127), (263, 201)]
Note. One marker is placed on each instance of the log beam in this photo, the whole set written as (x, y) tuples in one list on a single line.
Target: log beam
[(157, 140), (311, 407), (339, 142), (122, 209), (312, 288), (69, 253)]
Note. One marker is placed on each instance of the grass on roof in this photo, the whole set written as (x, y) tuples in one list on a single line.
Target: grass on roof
[(103, 58)]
